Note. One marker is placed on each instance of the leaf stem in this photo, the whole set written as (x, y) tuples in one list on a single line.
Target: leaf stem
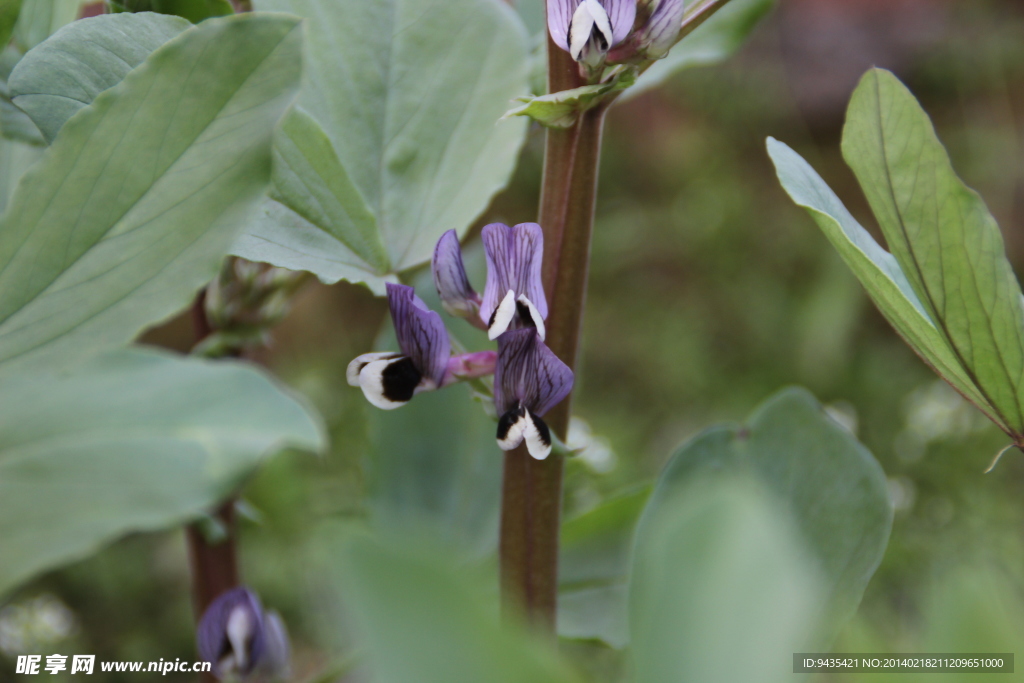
[(532, 489)]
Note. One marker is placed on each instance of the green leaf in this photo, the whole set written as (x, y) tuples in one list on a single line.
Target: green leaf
[(71, 443), (722, 589), (15, 160), (133, 206), (40, 19), (424, 619), (409, 93), (714, 41), (66, 72), (876, 269), (943, 236), (562, 109), (14, 123), (834, 488), (9, 11), (309, 179), (593, 566), (193, 10)]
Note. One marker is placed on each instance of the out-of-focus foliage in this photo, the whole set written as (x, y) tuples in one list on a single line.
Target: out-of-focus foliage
[(709, 290), (183, 432), (829, 483), (423, 618), (721, 586), (407, 93)]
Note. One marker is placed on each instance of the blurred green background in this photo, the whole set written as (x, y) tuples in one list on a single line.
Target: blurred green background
[(709, 291)]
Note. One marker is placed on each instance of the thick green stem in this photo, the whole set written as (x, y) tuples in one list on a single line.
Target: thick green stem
[(532, 489)]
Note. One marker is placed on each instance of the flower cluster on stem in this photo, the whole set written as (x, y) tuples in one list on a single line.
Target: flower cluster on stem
[(529, 379)]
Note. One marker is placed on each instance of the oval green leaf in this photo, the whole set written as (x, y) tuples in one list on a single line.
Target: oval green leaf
[(834, 488)]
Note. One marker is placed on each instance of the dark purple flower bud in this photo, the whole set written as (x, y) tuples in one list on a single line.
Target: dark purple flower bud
[(457, 296), (389, 379), (529, 380), (587, 29), (514, 295), (659, 32), (231, 634)]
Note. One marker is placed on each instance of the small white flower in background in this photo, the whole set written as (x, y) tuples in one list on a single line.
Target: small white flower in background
[(595, 451), (34, 624)]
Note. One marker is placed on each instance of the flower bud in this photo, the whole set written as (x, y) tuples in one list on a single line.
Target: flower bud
[(240, 641)]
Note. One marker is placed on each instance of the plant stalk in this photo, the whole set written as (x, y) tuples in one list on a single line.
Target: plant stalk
[(532, 489), (213, 566)]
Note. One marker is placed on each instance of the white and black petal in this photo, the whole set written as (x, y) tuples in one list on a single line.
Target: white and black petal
[(510, 428), (520, 425), (530, 316), (590, 33), (357, 365), (391, 382), (502, 317)]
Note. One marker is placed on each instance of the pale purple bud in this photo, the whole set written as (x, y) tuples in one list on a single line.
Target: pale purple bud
[(457, 296), (514, 295), (587, 29), (660, 31), (389, 380), (529, 380)]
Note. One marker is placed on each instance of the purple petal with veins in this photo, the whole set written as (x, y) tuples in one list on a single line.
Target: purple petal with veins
[(559, 17), (621, 15), (514, 260), (421, 332), (457, 296), (660, 32), (528, 372)]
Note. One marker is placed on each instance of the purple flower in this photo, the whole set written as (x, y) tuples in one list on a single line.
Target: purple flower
[(238, 639), (514, 295), (587, 29), (457, 296), (529, 380), (389, 379), (658, 34)]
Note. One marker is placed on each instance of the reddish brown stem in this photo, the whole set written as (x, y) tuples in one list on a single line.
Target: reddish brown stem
[(532, 489), (214, 565)]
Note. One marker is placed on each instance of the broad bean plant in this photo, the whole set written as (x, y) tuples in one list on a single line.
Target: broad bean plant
[(175, 157)]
